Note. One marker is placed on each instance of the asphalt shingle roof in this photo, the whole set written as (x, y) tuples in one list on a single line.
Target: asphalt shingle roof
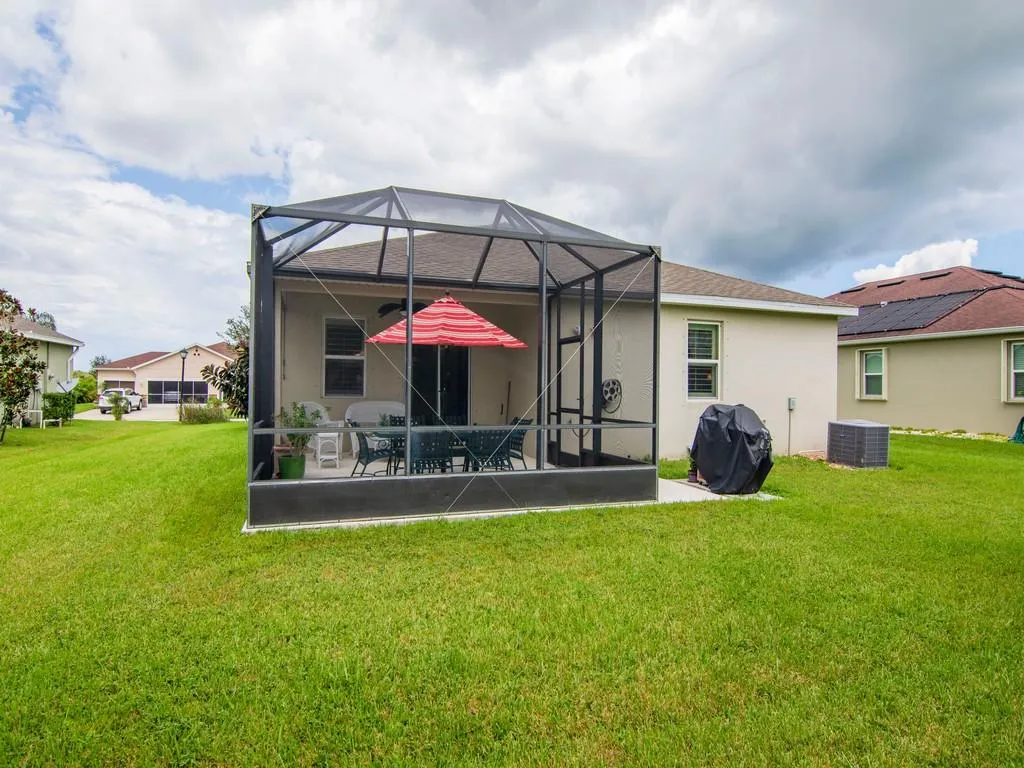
[(978, 300)]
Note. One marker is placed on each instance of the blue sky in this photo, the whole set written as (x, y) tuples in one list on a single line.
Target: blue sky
[(787, 142)]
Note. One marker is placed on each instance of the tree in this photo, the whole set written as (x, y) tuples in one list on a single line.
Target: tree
[(85, 389), (20, 368), (232, 378), (97, 362), (237, 330), (42, 318)]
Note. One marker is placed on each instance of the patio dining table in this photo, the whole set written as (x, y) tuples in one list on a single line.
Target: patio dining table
[(478, 447)]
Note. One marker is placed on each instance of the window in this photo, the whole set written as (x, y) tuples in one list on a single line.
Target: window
[(113, 384), (1016, 368), (702, 360), (344, 357), (872, 374)]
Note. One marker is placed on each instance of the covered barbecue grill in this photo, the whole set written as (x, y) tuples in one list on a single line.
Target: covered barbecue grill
[(732, 449)]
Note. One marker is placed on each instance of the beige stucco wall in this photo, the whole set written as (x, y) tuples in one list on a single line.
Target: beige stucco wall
[(767, 357), (113, 374), (299, 358), (943, 384)]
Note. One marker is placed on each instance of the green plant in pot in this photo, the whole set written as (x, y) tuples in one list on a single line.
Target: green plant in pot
[(292, 465)]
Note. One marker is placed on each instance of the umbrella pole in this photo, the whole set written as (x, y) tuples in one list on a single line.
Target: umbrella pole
[(508, 399)]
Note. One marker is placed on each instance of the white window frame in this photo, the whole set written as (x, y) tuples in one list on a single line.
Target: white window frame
[(717, 362), (324, 357), (1009, 371), (861, 373)]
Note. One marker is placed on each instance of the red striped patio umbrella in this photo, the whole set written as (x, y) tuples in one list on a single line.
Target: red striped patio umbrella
[(448, 322)]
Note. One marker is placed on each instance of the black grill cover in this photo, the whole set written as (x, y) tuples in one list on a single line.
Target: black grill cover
[(732, 449)]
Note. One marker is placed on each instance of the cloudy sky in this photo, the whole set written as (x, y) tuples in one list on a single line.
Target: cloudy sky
[(799, 142)]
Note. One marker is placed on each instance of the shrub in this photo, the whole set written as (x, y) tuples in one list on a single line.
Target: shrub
[(85, 389), (59, 405), (194, 413), (118, 404)]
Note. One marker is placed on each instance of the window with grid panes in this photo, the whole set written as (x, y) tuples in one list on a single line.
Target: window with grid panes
[(1016, 368), (872, 366), (344, 357), (702, 360)]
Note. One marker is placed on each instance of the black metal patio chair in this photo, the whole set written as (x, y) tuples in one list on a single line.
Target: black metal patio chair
[(515, 442), (431, 452), (487, 449), (368, 455)]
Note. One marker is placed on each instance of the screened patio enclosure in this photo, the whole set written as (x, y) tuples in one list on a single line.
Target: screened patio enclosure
[(578, 407)]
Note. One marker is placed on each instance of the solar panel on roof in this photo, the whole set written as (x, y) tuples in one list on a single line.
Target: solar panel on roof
[(905, 315)]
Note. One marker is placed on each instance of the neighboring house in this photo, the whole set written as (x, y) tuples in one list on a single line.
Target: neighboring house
[(158, 375), (936, 350), (57, 350), (723, 339)]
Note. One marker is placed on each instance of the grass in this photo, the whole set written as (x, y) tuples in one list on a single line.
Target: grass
[(80, 407), (870, 618)]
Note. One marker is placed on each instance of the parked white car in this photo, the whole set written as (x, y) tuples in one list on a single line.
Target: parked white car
[(133, 398)]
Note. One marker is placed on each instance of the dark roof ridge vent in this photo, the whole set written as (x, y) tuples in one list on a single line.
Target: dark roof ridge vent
[(937, 274), (894, 282)]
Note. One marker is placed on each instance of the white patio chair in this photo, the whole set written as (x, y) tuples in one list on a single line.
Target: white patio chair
[(327, 449), (368, 413)]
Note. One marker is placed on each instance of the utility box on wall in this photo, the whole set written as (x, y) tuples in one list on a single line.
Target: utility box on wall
[(858, 443)]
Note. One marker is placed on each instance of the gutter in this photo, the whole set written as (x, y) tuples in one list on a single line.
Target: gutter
[(726, 302)]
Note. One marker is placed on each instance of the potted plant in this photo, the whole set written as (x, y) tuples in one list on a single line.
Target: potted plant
[(292, 465)]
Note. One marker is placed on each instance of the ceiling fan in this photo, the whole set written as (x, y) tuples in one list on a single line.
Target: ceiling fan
[(391, 306)]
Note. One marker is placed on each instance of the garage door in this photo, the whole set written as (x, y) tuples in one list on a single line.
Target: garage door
[(161, 392)]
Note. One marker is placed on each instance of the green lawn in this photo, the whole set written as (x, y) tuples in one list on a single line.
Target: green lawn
[(871, 618), (84, 407)]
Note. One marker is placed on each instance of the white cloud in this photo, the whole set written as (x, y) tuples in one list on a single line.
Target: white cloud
[(952, 253), (119, 268), (766, 139)]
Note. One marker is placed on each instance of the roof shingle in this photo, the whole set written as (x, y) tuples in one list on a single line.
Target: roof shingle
[(438, 254), (994, 300)]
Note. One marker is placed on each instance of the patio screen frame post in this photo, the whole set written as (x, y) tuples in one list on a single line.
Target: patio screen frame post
[(409, 258), (542, 355), (582, 392), (656, 357), (598, 336), (261, 353)]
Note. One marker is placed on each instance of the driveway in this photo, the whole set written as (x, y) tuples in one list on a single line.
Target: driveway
[(149, 413)]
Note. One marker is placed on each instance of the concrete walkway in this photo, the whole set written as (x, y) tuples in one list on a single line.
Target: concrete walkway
[(150, 413)]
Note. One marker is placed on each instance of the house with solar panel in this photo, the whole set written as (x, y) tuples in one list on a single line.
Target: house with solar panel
[(936, 350)]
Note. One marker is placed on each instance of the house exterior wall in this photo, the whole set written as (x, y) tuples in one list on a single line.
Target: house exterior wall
[(766, 358), (113, 374), (58, 359), (169, 369), (944, 384), (299, 353)]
